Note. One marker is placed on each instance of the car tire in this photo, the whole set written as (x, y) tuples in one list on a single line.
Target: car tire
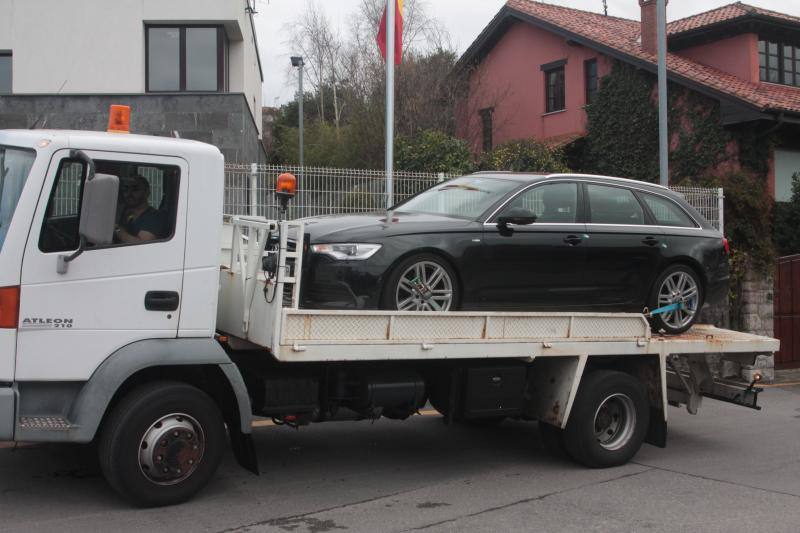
[(673, 280), (609, 420), (172, 415), (415, 296)]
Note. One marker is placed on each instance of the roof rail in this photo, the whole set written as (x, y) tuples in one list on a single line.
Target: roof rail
[(569, 175), (626, 180)]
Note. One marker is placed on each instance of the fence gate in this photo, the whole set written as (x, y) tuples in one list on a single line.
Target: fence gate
[(787, 311)]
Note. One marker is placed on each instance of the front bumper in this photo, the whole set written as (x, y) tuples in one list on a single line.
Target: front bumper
[(331, 284)]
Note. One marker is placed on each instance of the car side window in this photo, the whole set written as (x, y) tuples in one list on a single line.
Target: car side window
[(554, 203), (614, 205), (666, 212), (146, 206)]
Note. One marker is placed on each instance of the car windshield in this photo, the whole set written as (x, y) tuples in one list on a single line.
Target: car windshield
[(467, 197), (15, 164)]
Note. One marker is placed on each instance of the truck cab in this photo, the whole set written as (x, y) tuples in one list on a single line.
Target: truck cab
[(81, 319)]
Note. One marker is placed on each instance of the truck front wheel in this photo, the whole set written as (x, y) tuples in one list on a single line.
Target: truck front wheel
[(162, 443), (609, 420)]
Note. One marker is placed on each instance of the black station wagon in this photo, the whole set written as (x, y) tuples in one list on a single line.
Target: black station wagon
[(522, 242)]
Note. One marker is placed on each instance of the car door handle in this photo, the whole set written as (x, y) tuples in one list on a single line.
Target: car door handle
[(573, 240), (161, 301), (650, 241)]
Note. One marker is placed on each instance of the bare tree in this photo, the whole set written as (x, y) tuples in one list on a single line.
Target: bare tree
[(313, 38)]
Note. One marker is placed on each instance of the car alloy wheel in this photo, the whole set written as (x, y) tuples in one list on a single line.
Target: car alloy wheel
[(424, 286), (679, 288)]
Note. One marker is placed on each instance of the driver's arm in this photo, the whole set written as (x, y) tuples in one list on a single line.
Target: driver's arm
[(123, 236)]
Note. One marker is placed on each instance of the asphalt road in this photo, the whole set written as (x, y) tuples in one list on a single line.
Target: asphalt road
[(728, 469)]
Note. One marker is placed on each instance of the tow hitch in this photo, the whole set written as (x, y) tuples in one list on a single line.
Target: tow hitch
[(689, 379)]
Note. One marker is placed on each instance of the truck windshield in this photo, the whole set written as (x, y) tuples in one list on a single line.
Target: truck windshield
[(466, 197), (15, 165)]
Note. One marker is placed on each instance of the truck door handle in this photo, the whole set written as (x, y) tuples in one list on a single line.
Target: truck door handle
[(573, 240), (161, 301), (650, 241)]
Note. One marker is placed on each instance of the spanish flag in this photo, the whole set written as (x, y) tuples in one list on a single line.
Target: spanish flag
[(398, 34)]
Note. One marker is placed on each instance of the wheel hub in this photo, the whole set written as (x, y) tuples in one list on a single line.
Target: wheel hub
[(424, 286), (615, 422), (679, 288), (171, 449)]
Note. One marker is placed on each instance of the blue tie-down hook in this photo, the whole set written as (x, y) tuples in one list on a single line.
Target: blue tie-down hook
[(666, 309)]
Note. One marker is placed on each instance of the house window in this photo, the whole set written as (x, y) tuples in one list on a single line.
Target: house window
[(5, 72), (187, 58), (779, 62), (554, 86), (590, 73), (486, 124)]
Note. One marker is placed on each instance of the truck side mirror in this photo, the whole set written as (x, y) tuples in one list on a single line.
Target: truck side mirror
[(98, 210)]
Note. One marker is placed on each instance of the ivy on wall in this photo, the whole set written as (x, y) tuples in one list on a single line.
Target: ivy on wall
[(622, 129)]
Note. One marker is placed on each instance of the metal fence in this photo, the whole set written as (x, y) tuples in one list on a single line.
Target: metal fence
[(710, 202), (250, 189)]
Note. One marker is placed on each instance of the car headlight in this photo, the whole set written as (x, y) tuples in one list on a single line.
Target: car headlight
[(347, 252)]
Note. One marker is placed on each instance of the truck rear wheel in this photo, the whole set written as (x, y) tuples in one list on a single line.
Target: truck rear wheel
[(609, 420), (162, 443)]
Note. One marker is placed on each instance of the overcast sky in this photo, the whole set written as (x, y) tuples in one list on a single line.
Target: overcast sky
[(464, 20)]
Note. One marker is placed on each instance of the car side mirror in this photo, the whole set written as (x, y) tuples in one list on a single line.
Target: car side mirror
[(504, 221)]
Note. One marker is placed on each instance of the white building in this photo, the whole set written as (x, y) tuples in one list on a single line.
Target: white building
[(161, 49)]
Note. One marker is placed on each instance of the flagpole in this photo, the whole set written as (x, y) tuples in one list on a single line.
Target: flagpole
[(390, 35)]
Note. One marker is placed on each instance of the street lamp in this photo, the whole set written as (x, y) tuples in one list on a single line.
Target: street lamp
[(297, 62)]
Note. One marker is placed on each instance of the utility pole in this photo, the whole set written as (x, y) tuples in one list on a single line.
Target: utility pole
[(390, 34), (663, 130), (297, 61)]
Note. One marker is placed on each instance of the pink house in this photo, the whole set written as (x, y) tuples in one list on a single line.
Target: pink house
[(536, 66)]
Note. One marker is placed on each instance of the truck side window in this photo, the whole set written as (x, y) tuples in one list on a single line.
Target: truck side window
[(146, 206), (60, 229)]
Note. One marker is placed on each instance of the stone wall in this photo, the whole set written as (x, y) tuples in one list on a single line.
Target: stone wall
[(223, 120), (756, 309), (756, 315)]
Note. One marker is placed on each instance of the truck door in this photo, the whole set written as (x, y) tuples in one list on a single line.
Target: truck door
[(110, 295)]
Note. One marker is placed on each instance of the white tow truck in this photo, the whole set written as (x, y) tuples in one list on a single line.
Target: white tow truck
[(155, 351)]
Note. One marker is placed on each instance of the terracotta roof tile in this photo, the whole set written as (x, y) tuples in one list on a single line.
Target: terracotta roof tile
[(623, 35), (723, 14)]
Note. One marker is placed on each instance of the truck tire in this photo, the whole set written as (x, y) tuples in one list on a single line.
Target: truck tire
[(609, 420), (162, 443)]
